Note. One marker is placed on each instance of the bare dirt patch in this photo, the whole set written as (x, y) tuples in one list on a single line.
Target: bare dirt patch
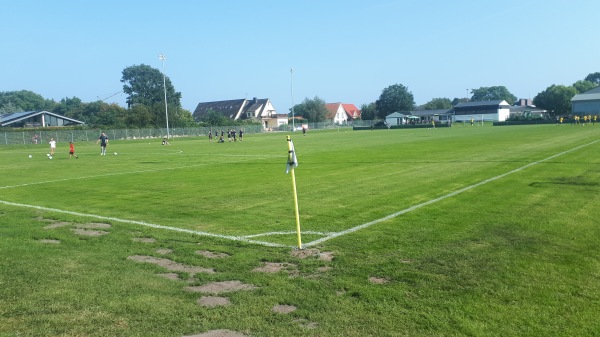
[(378, 280), (88, 232), (213, 301), (221, 287), (306, 323), (49, 241), (326, 256), (171, 265), (274, 267), (170, 276), (144, 240), (324, 269), (283, 309), (57, 225), (304, 253), (94, 225), (164, 251), (219, 333), (212, 255)]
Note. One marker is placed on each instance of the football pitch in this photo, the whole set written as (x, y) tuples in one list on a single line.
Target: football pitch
[(489, 221)]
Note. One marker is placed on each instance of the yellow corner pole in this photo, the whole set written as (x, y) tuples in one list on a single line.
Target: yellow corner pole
[(297, 213)]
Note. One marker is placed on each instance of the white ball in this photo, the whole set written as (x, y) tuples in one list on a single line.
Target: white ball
[(115, 153), (49, 157), (30, 156), (47, 154)]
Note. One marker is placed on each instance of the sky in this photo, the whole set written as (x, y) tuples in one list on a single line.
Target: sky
[(341, 51)]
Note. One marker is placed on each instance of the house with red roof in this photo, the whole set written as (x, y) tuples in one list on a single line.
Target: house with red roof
[(342, 113)]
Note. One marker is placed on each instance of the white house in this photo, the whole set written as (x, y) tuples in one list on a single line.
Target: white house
[(342, 113), (236, 109)]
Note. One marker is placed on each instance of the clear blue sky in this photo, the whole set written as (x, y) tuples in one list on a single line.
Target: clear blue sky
[(342, 51)]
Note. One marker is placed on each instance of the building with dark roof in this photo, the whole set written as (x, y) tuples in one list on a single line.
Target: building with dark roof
[(496, 111), (40, 118), (240, 109), (587, 103)]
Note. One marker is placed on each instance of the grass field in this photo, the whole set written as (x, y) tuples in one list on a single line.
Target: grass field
[(463, 231)]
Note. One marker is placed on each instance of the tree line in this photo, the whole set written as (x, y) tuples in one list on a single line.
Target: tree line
[(556, 99), (145, 91)]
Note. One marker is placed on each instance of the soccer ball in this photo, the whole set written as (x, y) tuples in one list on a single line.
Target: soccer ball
[(47, 154), (30, 156), (49, 157), (115, 153)]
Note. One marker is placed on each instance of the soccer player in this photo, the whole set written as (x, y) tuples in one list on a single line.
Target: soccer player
[(72, 151), (52, 143), (103, 143)]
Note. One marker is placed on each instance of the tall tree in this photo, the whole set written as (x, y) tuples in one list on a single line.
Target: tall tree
[(594, 78), (144, 85), (583, 86), (493, 94), (394, 98), (556, 99), (438, 104), (313, 110), (368, 111)]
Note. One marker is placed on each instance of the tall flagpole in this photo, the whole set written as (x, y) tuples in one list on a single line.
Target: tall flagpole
[(163, 58), (292, 94), (292, 162)]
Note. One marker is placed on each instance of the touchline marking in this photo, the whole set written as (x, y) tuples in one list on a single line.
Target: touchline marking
[(391, 216), (147, 224)]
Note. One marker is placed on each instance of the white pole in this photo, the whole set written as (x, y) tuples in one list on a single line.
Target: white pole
[(163, 58), (292, 94)]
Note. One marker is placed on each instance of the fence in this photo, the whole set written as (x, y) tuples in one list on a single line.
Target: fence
[(35, 136)]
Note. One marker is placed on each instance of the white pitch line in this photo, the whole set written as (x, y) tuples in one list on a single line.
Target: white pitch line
[(284, 233), (147, 224), (391, 216)]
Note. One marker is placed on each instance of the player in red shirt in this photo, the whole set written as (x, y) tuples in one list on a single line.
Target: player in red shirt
[(72, 151)]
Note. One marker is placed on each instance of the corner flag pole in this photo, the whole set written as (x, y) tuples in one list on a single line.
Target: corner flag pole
[(292, 162)]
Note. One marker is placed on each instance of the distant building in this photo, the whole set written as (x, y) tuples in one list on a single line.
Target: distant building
[(525, 108), (240, 109), (496, 111), (342, 113), (40, 118), (587, 103), (419, 117)]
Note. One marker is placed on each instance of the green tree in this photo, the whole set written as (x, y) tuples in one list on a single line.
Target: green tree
[(144, 86), (368, 111), (583, 86), (457, 100), (313, 110), (394, 98), (556, 99), (493, 94), (438, 104), (594, 78), (69, 107), (214, 118), (25, 100), (9, 108)]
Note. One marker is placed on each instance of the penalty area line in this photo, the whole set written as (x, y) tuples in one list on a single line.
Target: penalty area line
[(449, 195), (147, 224)]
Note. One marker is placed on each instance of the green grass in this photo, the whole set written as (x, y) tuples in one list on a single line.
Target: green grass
[(515, 256)]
